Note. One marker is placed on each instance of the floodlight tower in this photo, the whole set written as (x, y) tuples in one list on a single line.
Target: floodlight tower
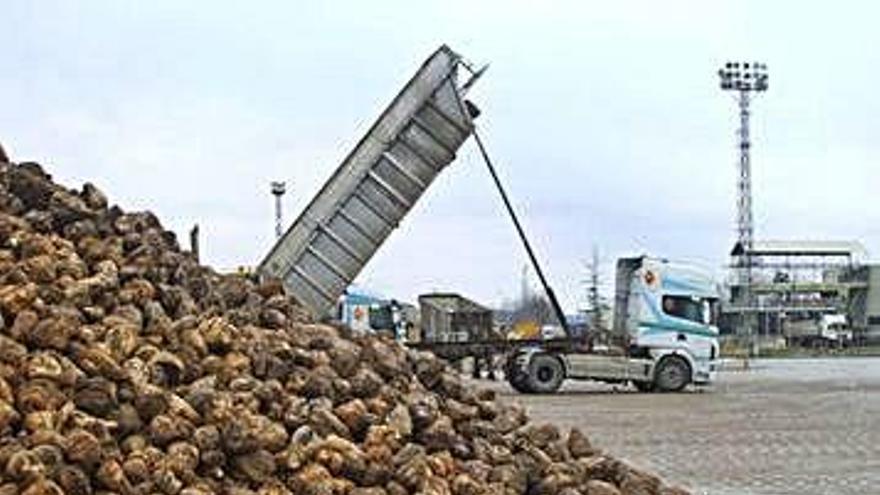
[(746, 79), (278, 190)]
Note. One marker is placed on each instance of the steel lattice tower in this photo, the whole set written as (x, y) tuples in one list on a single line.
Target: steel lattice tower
[(744, 222), (746, 79)]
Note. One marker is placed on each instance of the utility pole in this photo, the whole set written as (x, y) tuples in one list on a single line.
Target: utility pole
[(746, 79), (194, 242), (278, 190)]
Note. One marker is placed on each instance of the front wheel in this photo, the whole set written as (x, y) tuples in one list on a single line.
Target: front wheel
[(546, 373), (673, 374)]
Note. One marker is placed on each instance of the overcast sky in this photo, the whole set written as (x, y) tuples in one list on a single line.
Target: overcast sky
[(605, 120)]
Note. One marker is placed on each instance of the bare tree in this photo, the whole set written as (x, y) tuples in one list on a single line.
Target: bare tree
[(597, 304)]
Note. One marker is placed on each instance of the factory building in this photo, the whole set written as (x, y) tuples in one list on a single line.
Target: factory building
[(871, 321), (792, 285)]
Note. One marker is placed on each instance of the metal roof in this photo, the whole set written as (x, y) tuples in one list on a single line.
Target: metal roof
[(452, 303), (804, 248)]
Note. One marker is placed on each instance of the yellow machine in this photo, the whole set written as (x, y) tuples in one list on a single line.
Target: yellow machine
[(525, 329)]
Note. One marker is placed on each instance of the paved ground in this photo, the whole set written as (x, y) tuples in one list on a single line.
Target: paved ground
[(808, 426)]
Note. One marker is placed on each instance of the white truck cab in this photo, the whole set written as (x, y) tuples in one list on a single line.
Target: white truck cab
[(665, 334), (668, 310)]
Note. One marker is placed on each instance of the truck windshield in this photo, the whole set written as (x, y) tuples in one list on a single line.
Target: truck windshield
[(381, 318), (692, 308)]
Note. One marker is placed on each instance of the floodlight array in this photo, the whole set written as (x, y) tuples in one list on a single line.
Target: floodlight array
[(744, 76)]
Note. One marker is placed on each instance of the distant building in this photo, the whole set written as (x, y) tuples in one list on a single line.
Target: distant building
[(868, 318), (794, 281)]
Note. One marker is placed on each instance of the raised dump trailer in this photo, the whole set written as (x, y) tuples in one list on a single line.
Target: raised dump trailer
[(375, 186)]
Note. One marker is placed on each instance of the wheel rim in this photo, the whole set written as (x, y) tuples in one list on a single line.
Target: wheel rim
[(545, 374), (672, 375)]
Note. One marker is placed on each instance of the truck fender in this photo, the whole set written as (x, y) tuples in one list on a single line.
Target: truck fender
[(659, 354)]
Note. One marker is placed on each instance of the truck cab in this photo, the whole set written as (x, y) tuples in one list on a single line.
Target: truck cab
[(667, 311), (664, 336), (818, 330), (835, 329), (365, 312)]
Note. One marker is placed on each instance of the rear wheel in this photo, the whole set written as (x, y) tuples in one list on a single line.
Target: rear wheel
[(516, 375), (520, 384), (546, 374), (673, 374)]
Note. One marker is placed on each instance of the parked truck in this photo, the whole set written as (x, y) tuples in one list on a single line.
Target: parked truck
[(818, 330), (664, 310), (366, 312), (664, 334)]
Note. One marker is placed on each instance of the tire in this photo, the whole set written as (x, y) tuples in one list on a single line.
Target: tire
[(516, 376), (546, 374), (672, 374), (520, 383), (644, 387)]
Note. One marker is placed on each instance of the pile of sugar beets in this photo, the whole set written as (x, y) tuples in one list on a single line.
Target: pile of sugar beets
[(126, 367)]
